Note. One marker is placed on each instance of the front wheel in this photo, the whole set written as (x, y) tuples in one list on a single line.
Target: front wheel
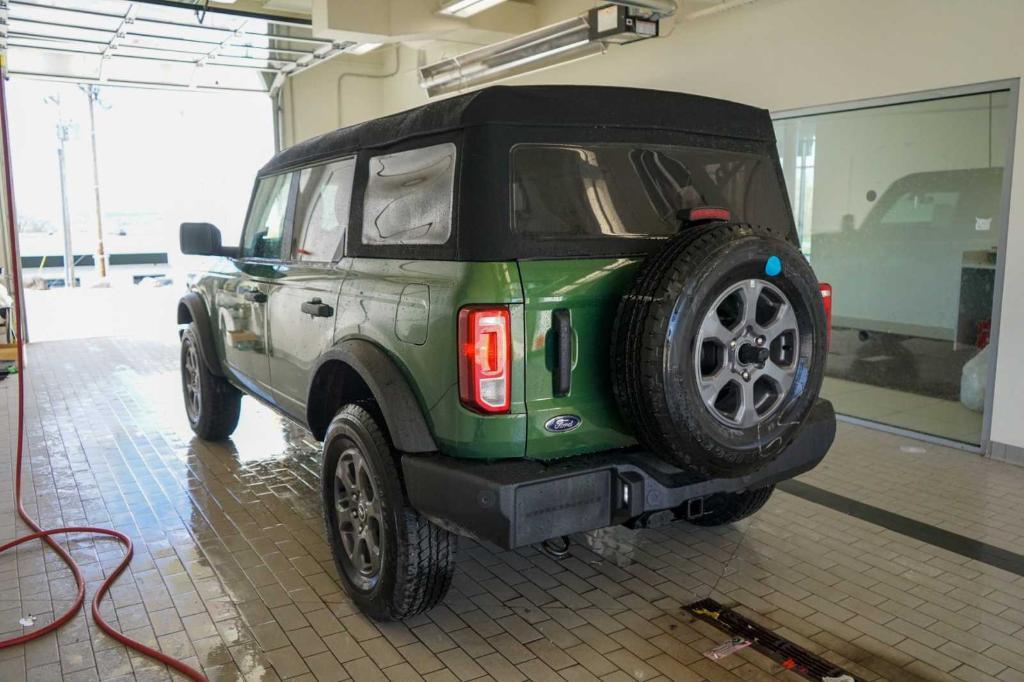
[(392, 561), (211, 403)]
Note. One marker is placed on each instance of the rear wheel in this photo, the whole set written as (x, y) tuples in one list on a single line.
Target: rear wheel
[(211, 403), (724, 508), (392, 561)]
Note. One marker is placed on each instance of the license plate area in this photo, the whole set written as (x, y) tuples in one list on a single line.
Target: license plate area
[(562, 506)]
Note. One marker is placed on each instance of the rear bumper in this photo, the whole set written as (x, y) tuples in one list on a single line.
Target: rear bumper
[(513, 503)]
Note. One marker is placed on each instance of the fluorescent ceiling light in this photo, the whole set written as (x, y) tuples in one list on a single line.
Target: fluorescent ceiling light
[(467, 8), (568, 40), (508, 57), (363, 48), (540, 63)]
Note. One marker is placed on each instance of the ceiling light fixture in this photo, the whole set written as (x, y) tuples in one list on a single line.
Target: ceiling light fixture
[(467, 8), (493, 61), (583, 36)]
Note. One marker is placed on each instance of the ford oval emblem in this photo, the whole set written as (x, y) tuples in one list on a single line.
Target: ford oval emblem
[(562, 423)]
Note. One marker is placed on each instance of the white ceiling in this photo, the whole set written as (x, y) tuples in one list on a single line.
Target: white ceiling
[(122, 42), (298, 6), (157, 44)]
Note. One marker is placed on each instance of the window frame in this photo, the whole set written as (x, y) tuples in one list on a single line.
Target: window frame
[(341, 249), (1013, 87), (485, 200), (289, 214)]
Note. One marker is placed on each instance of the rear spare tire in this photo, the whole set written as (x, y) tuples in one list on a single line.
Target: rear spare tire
[(719, 348)]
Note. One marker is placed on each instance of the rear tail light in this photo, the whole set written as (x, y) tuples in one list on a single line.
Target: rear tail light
[(485, 359), (826, 301)]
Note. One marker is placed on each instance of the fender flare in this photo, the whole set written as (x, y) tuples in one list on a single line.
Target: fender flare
[(399, 406), (196, 309)]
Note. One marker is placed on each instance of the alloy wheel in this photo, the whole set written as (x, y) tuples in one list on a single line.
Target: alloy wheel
[(190, 382), (746, 353), (357, 511)]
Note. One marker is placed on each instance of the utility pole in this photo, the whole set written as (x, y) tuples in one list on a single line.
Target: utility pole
[(63, 133), (93, 93), (69, 256)]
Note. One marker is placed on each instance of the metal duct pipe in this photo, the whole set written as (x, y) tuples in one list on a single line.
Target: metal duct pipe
[(501, 59)]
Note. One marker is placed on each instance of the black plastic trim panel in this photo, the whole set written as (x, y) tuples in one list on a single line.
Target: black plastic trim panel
[(196, 308), (401, 410), (519, 502)]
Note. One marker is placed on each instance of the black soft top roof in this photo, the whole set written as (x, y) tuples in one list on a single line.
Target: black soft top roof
[(539, 105)]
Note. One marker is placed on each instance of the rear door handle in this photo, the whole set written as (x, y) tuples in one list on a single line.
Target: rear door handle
[(563, 352), (254, 295), (317, 308)]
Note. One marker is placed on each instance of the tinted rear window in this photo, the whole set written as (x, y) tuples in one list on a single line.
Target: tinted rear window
[(636, 190)]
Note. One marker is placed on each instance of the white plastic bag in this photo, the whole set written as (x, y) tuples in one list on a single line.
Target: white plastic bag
[(974, 382)]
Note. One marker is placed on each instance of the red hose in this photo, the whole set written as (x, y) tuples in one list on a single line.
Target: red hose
[(46, 535)]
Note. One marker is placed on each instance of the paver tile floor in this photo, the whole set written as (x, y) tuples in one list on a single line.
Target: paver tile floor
[(232, 572)]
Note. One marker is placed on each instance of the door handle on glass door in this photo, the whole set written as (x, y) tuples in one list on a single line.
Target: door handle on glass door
[(317, 308)]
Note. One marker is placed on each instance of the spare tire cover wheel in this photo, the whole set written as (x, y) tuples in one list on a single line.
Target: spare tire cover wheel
[(745, 353), (740, 345)]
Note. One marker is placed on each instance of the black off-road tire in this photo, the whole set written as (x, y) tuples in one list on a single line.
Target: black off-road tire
[(654, 336), (219, 405), (417, 557), (724, 508)]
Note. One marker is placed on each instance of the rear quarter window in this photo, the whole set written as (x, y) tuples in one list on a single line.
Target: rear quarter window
[(409, 196)]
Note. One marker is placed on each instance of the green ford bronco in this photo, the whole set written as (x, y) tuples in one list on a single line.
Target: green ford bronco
[(515, 315)]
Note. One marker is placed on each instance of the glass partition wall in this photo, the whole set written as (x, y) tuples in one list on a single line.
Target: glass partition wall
[(899, 208)]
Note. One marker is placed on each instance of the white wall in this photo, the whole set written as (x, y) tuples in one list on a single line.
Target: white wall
[(785, 54), (338, 92)]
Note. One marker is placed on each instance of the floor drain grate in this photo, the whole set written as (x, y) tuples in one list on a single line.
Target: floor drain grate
[(782, 651)]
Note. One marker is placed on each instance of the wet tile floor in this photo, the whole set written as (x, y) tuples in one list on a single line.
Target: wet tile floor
[(232, 573)]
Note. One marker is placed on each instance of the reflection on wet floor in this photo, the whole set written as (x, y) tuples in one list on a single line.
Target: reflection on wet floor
[(232, 572), (267, 437)]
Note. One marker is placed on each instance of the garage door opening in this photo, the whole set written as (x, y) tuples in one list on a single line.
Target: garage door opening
[(162, 157), (182, 121)]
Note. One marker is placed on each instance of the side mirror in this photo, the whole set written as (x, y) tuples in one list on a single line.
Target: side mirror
[(203, 239)]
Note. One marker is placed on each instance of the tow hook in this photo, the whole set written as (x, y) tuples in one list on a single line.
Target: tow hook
[(556, 548)]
